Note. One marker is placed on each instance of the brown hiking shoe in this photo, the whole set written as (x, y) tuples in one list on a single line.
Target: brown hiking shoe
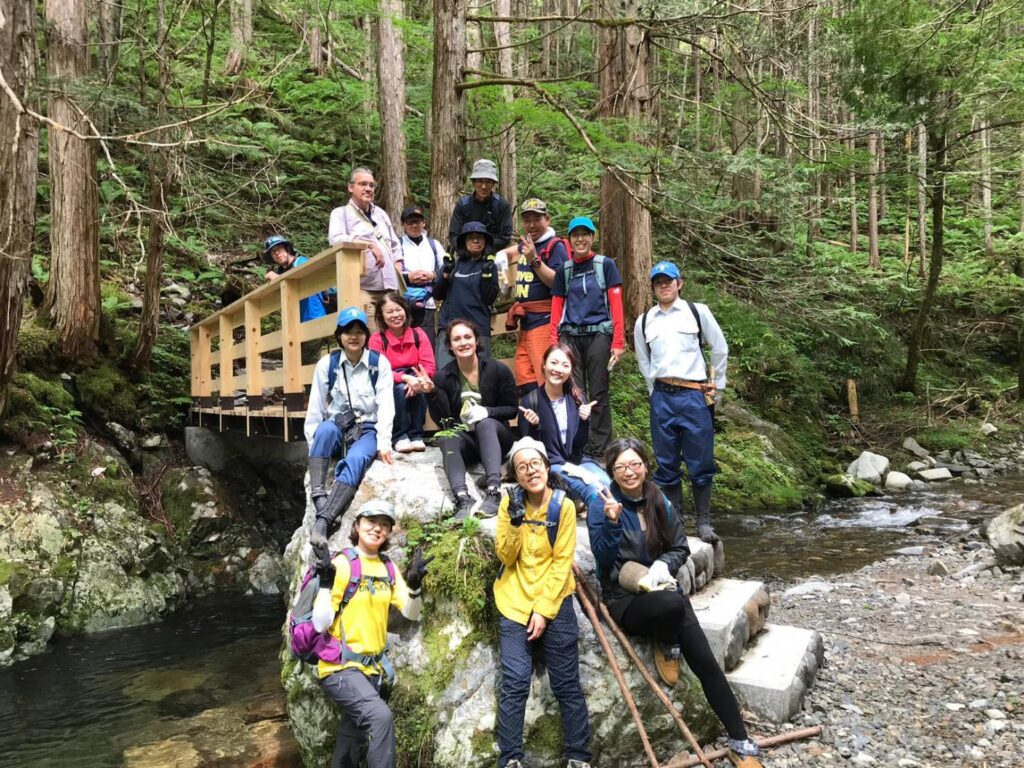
[(744, 761), (667, 664)]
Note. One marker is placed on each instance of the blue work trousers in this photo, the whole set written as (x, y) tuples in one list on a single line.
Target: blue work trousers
[(580, 489), (328, 442), (562, 659), (410, 414), (682, 431)]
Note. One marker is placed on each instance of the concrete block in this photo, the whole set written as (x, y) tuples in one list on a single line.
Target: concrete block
[(777, 670), (731, 612)]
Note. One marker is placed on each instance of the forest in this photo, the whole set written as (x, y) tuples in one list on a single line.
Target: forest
[(843, 182)]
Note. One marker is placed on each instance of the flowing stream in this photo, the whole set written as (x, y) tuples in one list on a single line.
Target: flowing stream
[(88, 699)]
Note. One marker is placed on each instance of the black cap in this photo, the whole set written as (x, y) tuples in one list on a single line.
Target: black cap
[(411, 212)]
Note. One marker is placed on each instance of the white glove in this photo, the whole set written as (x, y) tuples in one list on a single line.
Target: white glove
[(659, 574), (474, 414)]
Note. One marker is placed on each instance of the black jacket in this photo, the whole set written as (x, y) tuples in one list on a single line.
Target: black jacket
[(495, 213), (576, 434), (615, 544), (467, 293), (497, 393)]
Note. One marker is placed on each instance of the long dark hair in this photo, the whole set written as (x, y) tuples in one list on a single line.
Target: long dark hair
[(395, 298), (569, 387), (659, 538)]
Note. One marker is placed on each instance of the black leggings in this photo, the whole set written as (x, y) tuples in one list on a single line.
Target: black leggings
[(669, 618), (487, 441)]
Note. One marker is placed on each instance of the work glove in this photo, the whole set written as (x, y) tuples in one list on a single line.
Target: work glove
[(417, 569), (659, 574), (516, 508), (488, 271), (474, 414), (447, 262)]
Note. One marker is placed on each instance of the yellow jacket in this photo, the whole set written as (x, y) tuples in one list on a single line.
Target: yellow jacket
[(536, 577)]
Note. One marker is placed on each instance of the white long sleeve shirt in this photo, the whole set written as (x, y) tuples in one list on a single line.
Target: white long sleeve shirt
[(368, 403), (421, 257), (350, 222), (671, 349)]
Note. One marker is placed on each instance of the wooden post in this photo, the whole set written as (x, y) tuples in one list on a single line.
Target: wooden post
[(851, 398), (294, 395), (349, 267), (227, 373), (201, 388), (253, 362)]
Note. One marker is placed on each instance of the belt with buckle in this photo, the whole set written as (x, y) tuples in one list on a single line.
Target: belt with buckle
[(675, 385)]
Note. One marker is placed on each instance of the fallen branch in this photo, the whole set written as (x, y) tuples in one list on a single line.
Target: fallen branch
[(684, 729), (770, 741), (588, 608)]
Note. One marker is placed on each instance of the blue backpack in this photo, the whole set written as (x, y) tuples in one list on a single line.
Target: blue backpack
[(332, 368), (554, 515)]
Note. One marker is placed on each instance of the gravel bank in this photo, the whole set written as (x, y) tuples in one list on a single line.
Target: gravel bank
[(924, 661)]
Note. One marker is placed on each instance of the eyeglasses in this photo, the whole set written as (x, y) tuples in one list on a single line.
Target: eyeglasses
[(533, 466), (632, 466)]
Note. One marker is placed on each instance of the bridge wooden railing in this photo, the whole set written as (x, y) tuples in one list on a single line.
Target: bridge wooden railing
[(223, 399)]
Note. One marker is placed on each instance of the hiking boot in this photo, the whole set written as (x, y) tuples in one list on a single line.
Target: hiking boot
[(744, 753), (577, 764), (514, 764), (667, 663), (318, 468), (702, 513), (463, 505), (491, 500)]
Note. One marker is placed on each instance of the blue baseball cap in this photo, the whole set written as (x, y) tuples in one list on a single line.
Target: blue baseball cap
[(582, 221), (666, 268), (350, 315)]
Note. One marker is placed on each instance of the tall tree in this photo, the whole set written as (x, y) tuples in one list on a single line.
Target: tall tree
[(391, 105), (873, 258), (922, 197), (160, 179), (509, 176), (447, 113), (986, 183), (73, 293), (241, 35), (19, 154), (625, 94)]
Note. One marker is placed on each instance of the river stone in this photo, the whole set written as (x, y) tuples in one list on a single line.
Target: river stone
[(988, 428), (931, 475), (897, 481), (870, 467), (1006, 535), (812, 587), (911, 445), (917, 466), (266, 575), (846, 486), (463, 712)]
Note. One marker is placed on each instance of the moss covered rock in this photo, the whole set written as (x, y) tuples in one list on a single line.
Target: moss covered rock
[(35, 408), (845, 486), (104, 390)]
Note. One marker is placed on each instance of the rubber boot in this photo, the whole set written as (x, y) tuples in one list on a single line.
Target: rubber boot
[(674, 494), (702, 513), (318, 468), (333, 508)]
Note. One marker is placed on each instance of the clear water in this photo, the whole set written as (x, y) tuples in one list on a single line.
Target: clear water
[(87, 699), (844, 535)]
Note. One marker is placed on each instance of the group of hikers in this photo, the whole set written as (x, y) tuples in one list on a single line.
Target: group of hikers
[(431, 352)]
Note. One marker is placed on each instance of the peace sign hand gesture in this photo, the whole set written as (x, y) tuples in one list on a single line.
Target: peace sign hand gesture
[(612, 508), (584, 410), (424, 382)]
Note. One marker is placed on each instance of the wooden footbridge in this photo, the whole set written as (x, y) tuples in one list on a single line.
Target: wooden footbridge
[(247, 371)]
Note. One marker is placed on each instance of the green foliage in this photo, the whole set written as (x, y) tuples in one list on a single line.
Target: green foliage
[(954, 436), (36, 348), (39, 409), (105, 392)]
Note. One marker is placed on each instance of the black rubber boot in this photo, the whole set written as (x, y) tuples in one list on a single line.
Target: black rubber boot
[(333, 508), (318, 468), (674, 494), (702, 513)]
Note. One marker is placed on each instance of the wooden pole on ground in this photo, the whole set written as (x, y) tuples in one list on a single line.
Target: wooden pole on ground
[(770, 741), (851, 398), (684, 729), (588, 608)]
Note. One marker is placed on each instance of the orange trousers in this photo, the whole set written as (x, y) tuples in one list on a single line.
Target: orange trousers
[(529, 361)]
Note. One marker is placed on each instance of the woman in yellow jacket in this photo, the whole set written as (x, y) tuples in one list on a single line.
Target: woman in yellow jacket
[(534, 597)]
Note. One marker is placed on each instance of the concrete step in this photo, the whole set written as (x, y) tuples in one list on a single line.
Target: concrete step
[(776, 671), (731, 612)]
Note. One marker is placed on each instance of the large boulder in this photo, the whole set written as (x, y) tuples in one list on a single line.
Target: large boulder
[(870, 467), (846, 486), (1006, 535), (445, 699)]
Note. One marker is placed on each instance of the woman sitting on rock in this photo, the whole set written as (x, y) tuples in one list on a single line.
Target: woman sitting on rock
[(536, 543), (556, 415), (412, 362), (360, 625), (472, 399), (639, 545)]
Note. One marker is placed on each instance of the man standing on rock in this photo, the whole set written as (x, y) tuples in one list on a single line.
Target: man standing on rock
[(360, 219), (485, 206), (669, 340)]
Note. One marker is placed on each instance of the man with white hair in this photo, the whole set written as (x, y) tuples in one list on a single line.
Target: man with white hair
[(360, 219)]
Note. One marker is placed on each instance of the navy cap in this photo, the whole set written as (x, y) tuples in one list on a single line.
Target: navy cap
[(411, 212), (350, 315), (666, 268)]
